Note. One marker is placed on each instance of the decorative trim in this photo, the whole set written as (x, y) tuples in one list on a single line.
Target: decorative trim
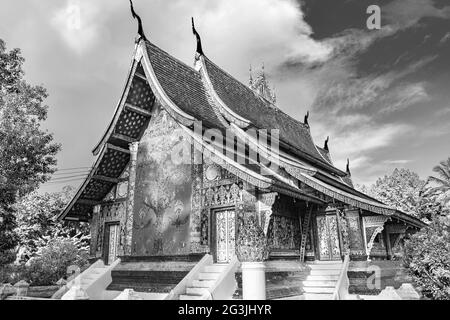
[(265, 203), (341, 195), (158, 90), (285, 159), (233, 167), (372, 239), (229, 114), (84, 185), (128, 223)]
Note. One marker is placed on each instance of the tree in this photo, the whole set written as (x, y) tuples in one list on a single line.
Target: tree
[(36, 223), (27, 152), (400, 190), (427, 253), (441, 183), (427, 257)]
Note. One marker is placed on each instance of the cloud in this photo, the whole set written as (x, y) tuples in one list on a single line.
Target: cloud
[(407, 13), (405, 96), (396, 162), (80, 23), (353, 93)]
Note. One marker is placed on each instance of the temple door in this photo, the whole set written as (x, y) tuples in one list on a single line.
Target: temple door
[(111, 242), (328, 237), (225, 235)]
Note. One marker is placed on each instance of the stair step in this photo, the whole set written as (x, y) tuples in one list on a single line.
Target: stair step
[(328, 290), (208, 275), (325, 266), (324, 277), (196, 291), (190, 297), (320, 272), (319, 283), (317, 262), (317, 296), (215, 268), (202, 283)]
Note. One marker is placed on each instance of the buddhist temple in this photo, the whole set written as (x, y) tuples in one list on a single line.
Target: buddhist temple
[(196, 164)]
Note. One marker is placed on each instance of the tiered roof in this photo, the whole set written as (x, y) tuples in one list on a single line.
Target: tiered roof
[(209, 94)]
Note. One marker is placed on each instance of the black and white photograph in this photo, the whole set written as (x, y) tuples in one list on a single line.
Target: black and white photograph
[(246, 151)]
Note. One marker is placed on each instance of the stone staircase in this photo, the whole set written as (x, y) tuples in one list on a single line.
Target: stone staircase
[(322, 280), (205, 280), (91, 283)]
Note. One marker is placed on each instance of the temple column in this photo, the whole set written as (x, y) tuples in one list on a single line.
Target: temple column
[(387, 239), (130, 199), (252, 249)]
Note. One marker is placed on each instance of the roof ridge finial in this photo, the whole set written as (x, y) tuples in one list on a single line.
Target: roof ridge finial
[(326, 144), (138, 18), (250, 82), (348, 167), (306, 119), (199, 40)]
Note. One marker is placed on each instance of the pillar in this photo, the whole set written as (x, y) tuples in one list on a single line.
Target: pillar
[(253, 281), (130, 199), (251, 252), (387, 240)]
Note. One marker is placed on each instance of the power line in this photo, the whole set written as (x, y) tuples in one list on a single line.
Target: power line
[(69, 177), (71, 169), (70, 173), (61, 182)]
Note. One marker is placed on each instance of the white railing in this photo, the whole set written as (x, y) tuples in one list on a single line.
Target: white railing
[(226, 284), (180, 288), (97, 286), (341, 289), (63, 290)]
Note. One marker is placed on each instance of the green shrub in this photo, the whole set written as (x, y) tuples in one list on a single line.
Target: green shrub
[(11, 273), (52, 261), (427, 256)]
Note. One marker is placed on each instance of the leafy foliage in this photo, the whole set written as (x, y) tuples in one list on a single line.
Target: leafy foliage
[(27, 153), (400, 190), (440, 185), (36, 223), (46, 246), (54, 258), (427, 255)]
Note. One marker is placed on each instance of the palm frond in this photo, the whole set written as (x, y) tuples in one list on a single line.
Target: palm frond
[(441, 182), (442, 171)]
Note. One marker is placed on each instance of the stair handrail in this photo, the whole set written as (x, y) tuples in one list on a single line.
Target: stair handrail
[(100, 284), (63, 290), (341, 290), (180, 288), (226, 282)]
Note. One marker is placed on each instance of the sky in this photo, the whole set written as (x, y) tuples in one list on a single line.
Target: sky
[(382, 96)]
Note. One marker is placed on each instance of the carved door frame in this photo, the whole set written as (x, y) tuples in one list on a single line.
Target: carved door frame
[(338, 235), (213, 227), (106, 240)]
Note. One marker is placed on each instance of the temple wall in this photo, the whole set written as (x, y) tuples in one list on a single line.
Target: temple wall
[(355, 234), (220, 190), (284, 227), (112, 211), (163, 190)]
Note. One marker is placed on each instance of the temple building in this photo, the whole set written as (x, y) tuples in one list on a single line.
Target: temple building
[(169, 184)]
